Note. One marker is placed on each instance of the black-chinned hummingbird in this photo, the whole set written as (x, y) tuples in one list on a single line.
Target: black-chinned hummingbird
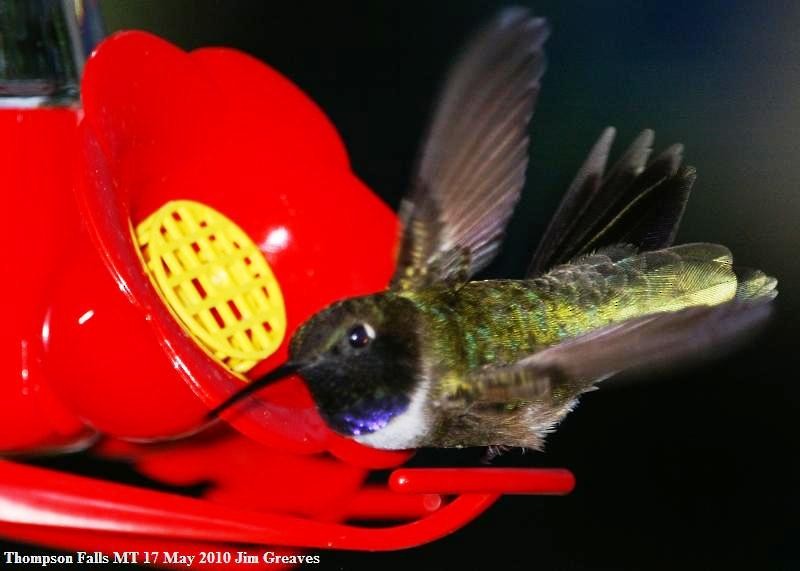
[(439, 360)]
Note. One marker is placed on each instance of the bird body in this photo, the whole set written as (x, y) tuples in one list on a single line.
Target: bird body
[(463, 342), (503, 320), (439, 360)]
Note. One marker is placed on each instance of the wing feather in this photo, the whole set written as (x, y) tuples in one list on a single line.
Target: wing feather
[(561, 372), (472, 164)]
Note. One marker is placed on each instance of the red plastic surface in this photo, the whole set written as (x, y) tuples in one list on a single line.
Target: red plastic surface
[(37, 148), (32, 496), (482, 480)]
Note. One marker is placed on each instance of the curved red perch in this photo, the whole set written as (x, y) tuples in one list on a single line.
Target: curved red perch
[(34, 496)]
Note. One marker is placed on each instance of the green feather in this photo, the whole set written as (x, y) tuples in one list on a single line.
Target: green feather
[(502, 321)]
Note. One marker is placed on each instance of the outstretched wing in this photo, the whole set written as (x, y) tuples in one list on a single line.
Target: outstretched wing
[(561, 372), (472, 164), (636, 203)]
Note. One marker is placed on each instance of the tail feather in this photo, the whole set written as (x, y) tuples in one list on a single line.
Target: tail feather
[(755, 285), (612, 285), (636, 202), (676, 278), (617, 284)]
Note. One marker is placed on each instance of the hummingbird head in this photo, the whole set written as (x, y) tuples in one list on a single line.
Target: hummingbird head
[(359, 358)]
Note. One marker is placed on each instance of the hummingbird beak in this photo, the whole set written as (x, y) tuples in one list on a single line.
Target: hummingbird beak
[(275, 375)]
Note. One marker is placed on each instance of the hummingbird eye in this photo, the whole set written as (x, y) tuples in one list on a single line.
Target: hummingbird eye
[(360, 335)]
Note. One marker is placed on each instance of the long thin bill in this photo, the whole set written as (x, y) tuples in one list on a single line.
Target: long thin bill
[(281, 372)]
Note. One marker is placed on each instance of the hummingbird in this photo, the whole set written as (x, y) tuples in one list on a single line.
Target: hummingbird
[(439, 360)]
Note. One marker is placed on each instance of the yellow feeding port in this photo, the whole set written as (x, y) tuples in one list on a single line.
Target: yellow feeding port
[(215, 280)]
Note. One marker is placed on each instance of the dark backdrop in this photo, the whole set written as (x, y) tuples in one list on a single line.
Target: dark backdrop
[(698, 470)]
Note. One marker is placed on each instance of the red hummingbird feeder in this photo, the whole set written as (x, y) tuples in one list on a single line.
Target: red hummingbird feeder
[(170, 233)]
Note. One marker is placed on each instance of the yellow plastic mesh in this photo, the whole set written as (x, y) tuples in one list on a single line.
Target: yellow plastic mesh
[(215, 280)]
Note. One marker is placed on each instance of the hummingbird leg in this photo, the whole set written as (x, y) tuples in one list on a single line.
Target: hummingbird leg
[(493, 452)]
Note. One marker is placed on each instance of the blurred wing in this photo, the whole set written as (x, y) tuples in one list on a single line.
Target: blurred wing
[(472, 165), (637, 203), (563, 371)]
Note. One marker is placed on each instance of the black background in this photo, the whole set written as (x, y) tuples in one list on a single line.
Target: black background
[(696, 469)]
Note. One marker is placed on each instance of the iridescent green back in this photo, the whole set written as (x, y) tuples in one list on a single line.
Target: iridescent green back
[(502, 321)]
